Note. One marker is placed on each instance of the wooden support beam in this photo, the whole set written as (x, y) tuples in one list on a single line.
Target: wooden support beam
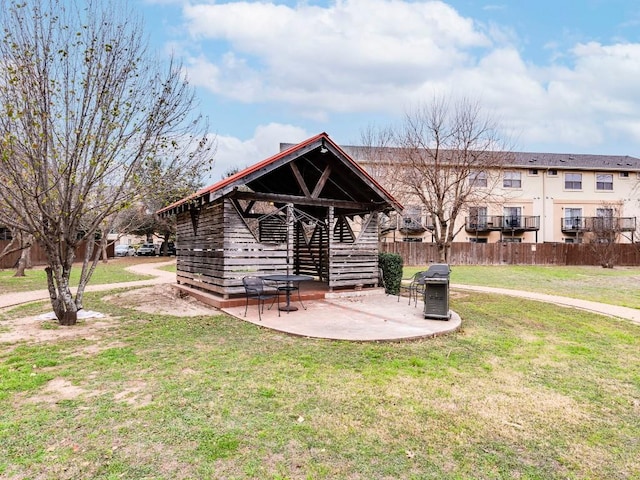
[(299, 179), (321, 182), (315, 202), (244, 211)]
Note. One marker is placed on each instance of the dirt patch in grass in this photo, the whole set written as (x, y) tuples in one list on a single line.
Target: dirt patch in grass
[(159, 299), (57, 390), (162, 299), (134, 394), (33, 329)]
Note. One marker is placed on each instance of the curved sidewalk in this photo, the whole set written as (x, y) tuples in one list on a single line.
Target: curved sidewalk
[(386, 313), (631, 314), (156, 277)]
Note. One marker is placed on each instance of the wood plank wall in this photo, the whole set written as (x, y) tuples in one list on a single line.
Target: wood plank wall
[(199, 250), (222, 250), (352, 264)]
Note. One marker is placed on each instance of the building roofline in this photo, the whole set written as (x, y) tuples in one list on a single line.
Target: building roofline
[(542, 160)]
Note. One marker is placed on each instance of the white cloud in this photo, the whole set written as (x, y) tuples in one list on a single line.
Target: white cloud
[(613, 69), (591, 101), (352, 55), (233, 153), (373, 57)]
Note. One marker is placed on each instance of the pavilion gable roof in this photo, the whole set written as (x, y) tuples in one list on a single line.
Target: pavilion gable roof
[(315, 172)]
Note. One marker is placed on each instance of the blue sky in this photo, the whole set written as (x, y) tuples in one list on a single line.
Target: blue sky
[(560, 76)]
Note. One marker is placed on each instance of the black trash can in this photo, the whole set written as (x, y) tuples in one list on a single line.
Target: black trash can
[(436, 292)]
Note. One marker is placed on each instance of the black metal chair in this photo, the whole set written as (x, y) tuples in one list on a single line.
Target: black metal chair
[(256, 288), (414, 287)]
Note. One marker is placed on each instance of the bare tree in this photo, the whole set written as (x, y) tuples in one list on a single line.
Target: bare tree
[(603, 233), (379, 156), (84, 109), (447, 157)]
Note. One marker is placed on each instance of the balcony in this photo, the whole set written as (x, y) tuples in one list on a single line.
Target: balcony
[(504, 223), (414, 225), (598, 224)]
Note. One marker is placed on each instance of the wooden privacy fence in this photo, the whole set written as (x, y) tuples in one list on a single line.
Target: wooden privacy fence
[(416, 253), (38, 256)]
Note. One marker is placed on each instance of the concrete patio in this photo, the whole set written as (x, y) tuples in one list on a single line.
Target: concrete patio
[(355, 316)]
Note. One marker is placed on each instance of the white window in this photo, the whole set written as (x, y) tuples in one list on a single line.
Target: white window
[(512, 180), (573, 181), (604, 181), (478, 179), (478, 217), (512, 217), (573, 218), (604, 219), (552, 173), (604, 212)]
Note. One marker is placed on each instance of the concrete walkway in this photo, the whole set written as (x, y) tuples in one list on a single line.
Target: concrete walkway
[(361, 316), (157, 277), (626, 313)]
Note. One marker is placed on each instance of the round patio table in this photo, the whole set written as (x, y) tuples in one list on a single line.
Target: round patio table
[(290, 282)]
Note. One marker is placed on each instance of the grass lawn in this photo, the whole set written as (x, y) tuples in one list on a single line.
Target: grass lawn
[(617, 286), (112, 272), (169, 268), (525, 390)]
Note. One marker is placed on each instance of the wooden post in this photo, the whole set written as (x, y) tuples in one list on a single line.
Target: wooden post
[(290, 239), (330, 235)]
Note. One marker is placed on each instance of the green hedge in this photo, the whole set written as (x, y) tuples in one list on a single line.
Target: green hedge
[(391, 265)]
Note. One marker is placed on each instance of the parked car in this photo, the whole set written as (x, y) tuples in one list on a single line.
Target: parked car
[(147, 249), (124, 250), (171, 249)]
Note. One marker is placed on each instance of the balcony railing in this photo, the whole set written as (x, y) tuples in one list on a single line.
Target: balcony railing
[(409, 224), (594, 224), (505, 223)]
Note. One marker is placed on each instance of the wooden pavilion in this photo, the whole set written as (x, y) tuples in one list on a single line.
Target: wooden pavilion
[(308, 210)]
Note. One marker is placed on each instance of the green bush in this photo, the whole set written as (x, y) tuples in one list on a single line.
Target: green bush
[(391, 265)]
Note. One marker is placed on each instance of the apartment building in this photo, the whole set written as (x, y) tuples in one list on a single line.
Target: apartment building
[(539, 197)]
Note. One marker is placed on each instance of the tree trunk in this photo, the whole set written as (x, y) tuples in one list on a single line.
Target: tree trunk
[(22, 263), (442, 252), (61, 299), (68, 318), (165, 244), (28, 263), (66, 310)]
